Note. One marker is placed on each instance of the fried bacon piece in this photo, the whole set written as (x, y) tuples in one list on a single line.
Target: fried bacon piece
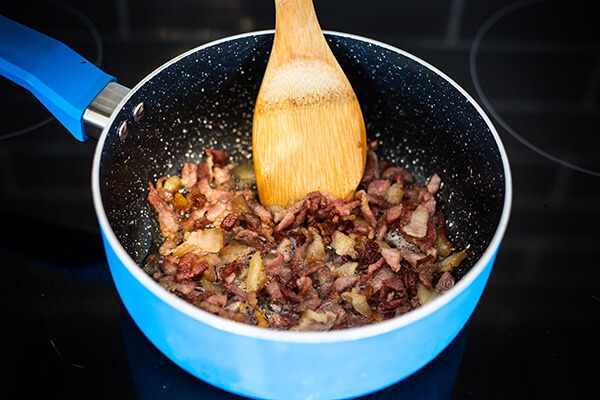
[(167, 217)]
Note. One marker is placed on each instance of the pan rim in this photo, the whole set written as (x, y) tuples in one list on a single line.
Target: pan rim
[(345, 335)]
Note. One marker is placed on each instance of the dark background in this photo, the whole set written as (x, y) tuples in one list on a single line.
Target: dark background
[(537, 69)]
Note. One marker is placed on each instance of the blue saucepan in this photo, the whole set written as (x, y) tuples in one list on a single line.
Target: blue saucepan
[(204, 98)]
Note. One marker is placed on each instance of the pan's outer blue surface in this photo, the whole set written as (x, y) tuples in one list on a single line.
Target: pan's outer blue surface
[(311, 366), (423, 120)]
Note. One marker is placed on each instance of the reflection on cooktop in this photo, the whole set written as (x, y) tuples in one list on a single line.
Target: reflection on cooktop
[(552, 72)]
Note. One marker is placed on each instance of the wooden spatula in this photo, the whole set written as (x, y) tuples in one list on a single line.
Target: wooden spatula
[(308, 129)]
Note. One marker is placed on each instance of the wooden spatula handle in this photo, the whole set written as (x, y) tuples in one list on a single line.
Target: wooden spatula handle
[(297, 32)]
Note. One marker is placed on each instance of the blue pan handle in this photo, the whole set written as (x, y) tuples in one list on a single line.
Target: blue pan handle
[(61, 79)]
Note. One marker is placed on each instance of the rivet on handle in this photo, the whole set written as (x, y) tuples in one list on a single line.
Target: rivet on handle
[(122, 131), (138, 112)]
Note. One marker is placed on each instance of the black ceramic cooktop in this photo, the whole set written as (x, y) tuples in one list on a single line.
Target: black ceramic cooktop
[(533, 65)]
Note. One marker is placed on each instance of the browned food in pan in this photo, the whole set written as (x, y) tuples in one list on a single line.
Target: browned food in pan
[(322, 263)]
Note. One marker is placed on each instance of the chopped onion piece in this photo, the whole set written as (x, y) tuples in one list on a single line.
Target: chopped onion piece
[(442, 244), (343, 244), (358, 301), (452, 261), (239, 205), (316, 249), (203, 241), (256, 274), (233, 251), (245, 174), (173, 184), (210, 274), (309, 317), (261, 320), (425, 295), (179, 202), (394, 194), (210, 286), (348, 268)]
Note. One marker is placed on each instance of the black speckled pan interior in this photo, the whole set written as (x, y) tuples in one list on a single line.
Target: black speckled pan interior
[(205, 99)]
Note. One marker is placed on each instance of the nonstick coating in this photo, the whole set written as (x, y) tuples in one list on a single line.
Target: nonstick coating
[(205, 99)]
